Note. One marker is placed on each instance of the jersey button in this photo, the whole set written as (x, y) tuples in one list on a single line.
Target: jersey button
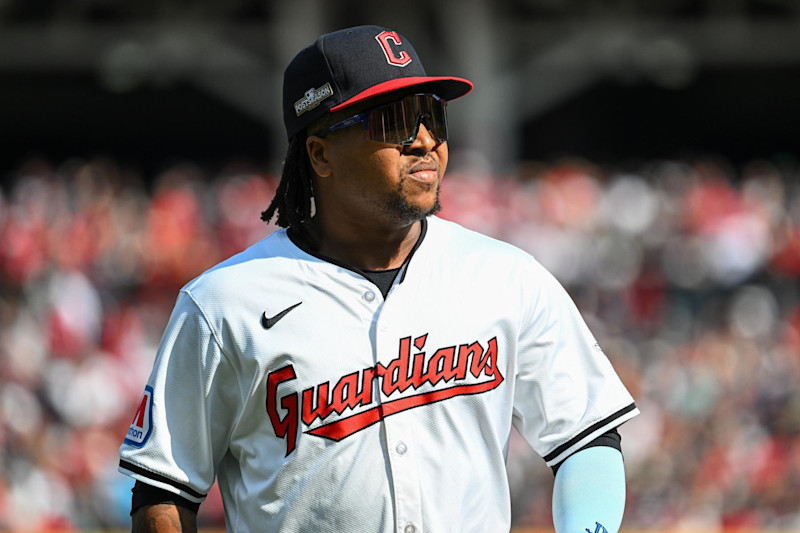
[(409, 529), (369, 296), (401, 449)]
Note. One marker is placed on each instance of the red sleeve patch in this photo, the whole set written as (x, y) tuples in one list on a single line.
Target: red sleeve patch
[(142, 424)]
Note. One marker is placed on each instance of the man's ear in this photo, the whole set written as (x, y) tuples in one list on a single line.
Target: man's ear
[(317, 149)]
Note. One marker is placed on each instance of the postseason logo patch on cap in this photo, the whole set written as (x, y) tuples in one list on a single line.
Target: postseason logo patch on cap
[(312, 99)]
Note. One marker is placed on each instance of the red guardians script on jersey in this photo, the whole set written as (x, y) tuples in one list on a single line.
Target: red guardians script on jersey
[(443, 370)]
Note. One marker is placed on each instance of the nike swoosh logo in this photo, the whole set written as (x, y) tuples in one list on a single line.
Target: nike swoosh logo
[(268, 322)]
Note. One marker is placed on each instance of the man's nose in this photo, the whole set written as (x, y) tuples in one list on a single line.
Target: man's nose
[(425, 141)]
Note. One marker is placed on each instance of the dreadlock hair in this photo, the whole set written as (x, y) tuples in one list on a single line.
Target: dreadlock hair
[(293, 198)]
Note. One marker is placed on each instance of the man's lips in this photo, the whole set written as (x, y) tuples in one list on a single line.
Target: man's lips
[(425, 171)]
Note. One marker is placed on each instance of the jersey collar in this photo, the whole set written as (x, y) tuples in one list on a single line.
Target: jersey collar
[(299, 240)]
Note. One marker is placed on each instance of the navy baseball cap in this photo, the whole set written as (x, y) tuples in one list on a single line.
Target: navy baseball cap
[(345, 67)]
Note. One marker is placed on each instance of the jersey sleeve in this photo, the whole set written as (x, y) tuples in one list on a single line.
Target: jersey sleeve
[(566, 390), (182, 426)]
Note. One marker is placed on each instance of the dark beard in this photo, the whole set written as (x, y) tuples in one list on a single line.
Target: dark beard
[(404, 211)]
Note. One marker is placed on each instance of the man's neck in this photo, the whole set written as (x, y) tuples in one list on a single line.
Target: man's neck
[(371, 248)]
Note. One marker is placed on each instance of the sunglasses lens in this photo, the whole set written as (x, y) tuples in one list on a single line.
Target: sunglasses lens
[(398, 122)]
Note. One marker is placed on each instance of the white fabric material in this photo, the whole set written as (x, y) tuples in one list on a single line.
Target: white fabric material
[(473, 336)]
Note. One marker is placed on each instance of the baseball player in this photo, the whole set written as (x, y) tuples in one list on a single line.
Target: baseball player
[(360, 370)]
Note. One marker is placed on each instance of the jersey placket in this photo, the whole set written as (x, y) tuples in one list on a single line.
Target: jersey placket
[(398, 432)]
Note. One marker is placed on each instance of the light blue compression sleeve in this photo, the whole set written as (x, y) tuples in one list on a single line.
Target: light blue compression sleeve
[(589, 492)]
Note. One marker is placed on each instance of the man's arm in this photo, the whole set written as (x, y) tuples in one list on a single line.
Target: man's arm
[(589, 492), (164, 518)]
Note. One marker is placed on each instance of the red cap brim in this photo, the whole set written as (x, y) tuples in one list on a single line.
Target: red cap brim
[(444, 87)]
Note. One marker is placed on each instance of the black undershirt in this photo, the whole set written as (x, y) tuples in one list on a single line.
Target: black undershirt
[(612, 439), (144, 494), (383, 279)]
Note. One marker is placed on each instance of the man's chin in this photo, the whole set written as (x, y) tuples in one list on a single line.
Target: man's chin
[(434, 209), (409, 212)]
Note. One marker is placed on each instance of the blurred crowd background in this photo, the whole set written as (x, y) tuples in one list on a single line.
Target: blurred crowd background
[(645, 151), (687, 271)]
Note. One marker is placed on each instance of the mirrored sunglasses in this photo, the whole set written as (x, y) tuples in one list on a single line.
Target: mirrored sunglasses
[(398, 122)]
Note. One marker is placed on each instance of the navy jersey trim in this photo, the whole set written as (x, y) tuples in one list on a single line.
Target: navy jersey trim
[(588, 431), (422, 232), (158, 477)]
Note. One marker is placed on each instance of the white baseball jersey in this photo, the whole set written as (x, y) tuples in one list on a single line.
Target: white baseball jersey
[(321, 406)]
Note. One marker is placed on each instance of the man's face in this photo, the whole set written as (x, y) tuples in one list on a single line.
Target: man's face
[(380, 183)]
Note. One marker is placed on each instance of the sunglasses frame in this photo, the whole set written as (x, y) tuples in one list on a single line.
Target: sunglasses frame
[(363, 118)]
